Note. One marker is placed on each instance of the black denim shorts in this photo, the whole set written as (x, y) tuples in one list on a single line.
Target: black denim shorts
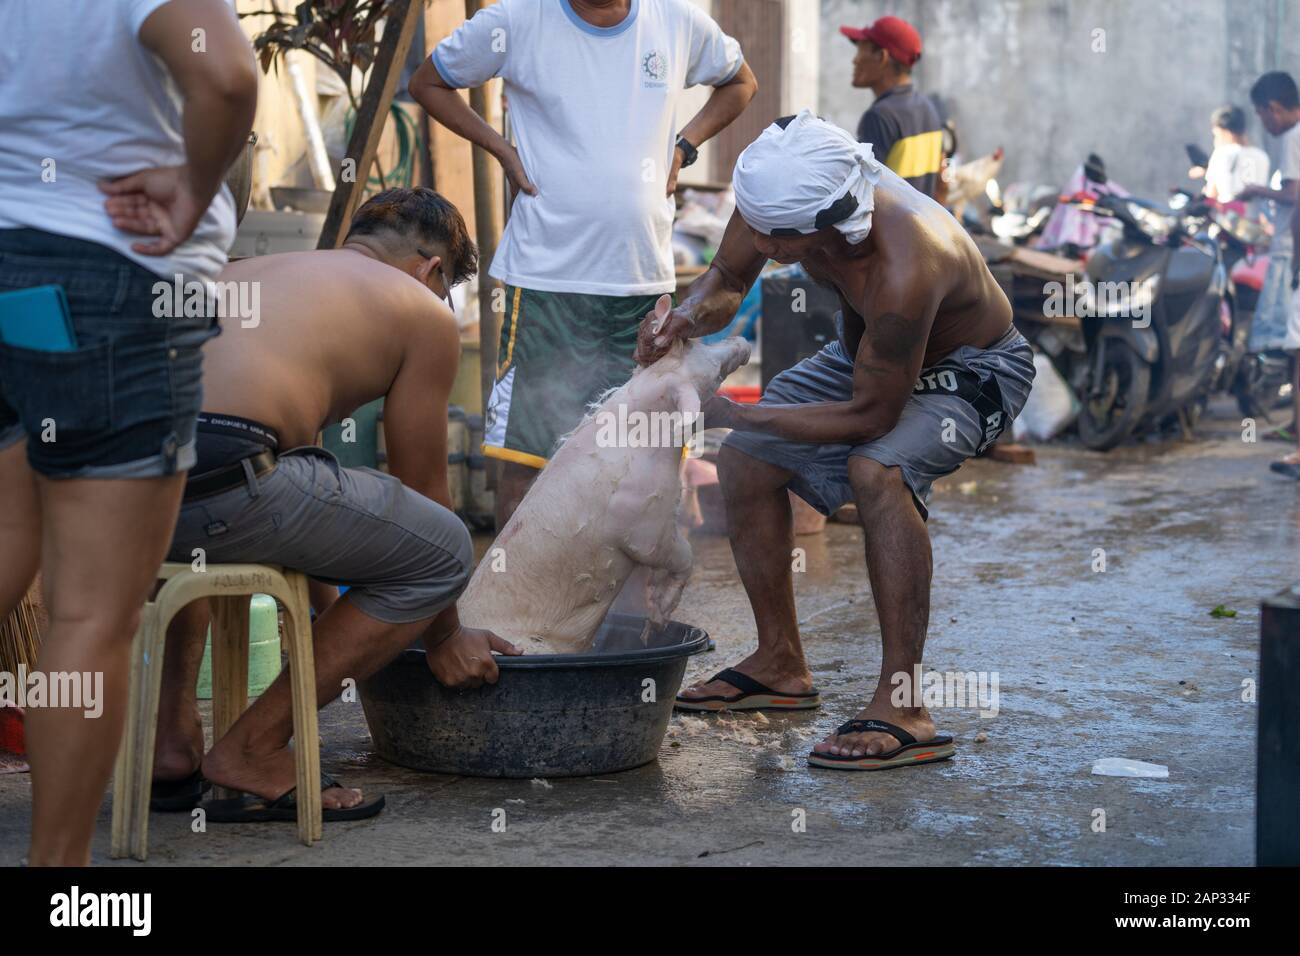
[(123, 403)]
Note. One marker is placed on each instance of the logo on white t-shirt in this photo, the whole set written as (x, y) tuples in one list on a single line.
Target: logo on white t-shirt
[(654, 69)]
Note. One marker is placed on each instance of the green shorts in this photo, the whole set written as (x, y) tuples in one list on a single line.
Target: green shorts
[(559, 351)]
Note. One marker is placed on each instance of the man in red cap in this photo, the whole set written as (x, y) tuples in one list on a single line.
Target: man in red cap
[(902, 125)]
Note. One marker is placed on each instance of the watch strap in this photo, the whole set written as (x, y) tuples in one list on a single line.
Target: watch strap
[(689, 153)]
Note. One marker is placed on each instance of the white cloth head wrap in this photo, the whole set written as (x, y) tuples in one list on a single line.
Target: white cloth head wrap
[(787, 176)]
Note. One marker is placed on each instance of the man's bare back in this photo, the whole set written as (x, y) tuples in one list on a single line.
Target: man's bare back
[(334, 329), (926, 248)]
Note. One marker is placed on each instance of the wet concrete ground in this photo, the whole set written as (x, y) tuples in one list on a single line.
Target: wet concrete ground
[(1125, 663)]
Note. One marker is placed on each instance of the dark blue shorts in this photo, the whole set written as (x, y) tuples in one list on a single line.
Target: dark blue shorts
[(123, 403)]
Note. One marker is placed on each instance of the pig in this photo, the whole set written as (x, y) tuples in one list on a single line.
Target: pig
[(604, 507)]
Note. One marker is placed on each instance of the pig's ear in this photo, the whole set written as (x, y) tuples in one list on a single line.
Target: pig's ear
[(662, 308)]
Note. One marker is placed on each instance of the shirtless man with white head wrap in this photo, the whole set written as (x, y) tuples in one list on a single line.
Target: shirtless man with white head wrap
[(926, 372)]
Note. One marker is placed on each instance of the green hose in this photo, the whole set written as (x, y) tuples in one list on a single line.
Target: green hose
[(408, 142)]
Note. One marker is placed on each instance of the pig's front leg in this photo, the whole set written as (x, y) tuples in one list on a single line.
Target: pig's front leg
[(670, 563)]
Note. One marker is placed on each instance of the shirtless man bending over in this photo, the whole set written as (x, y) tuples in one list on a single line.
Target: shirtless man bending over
[(337, 328), (927, 370)]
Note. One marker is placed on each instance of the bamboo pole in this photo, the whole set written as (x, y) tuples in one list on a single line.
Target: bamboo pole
[(399, 28)]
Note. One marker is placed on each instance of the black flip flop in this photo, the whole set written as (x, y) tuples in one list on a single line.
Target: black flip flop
[(177, 796), (250, 808), (1285, 468), (752, 696), (909, 751)]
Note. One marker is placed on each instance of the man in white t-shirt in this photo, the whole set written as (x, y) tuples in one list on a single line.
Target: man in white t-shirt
[(1234, 164), (593, 88), (115, 138), (1277, 102)]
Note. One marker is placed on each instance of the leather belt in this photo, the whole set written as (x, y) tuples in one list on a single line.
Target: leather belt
[(229, 476)]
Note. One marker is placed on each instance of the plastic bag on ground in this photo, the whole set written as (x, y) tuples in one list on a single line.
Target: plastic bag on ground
[(1051, 405), (1124, 767)]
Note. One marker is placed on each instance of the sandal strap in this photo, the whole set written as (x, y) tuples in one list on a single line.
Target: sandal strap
[(742, 682), (876, 726), (289, 800)]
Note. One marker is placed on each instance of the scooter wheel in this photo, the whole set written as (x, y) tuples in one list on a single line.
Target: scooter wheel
[(1114, 406)]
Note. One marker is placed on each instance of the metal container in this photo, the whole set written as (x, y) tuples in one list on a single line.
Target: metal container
[(300, 199), (552, 715)]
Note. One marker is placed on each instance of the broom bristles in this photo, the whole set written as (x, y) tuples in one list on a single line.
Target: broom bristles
[(20, 637)]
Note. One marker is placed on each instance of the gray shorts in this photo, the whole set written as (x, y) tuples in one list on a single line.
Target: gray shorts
[(403, 557), (936, 432)]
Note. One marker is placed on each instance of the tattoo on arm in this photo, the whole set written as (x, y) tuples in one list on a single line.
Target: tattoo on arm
[(869, 367), (892, 337)]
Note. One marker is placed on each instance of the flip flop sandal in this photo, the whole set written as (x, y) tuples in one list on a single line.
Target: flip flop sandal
[(752, 696), (1283, 433), (907, 753), (250, 808), (1290, 469), (176, 796)]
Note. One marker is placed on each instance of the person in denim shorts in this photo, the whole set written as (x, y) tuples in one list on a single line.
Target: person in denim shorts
[(113, 192)]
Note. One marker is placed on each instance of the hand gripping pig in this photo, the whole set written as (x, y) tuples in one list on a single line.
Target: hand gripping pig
[(604, 506)]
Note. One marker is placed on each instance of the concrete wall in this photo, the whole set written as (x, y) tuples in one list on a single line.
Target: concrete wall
[(799, 80), (1023, 74)]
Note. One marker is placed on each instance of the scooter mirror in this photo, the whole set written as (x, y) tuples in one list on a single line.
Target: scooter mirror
[(1094, 169)]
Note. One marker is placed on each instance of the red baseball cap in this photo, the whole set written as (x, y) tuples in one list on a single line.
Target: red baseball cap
[(896, 37)]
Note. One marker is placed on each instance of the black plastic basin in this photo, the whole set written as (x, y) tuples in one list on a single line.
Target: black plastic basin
[(552, 715)]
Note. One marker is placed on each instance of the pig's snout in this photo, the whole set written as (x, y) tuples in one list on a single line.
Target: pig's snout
[(705, 366), (730, 354), (739, 355)]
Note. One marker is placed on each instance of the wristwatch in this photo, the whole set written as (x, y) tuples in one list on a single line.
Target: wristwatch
[(689, 153)]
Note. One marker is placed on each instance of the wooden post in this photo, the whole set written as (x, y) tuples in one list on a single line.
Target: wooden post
[(487, 202), (1277, 807), (452, 157), (399, 28)]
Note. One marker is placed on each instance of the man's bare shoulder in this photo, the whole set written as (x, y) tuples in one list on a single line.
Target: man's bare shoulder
[(334, 267), (337, 280), (922, 248)]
